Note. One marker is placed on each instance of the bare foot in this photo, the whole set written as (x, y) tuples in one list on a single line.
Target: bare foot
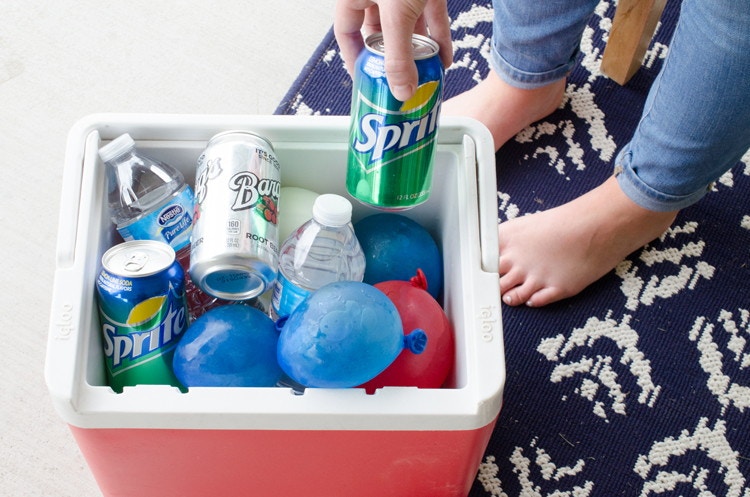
[(554, 254), (504, 109)]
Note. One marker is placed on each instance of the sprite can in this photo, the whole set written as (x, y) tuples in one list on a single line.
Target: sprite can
[(392, 143), (142, 311)]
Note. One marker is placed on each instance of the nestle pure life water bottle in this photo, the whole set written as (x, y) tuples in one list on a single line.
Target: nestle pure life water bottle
[(321, 251), (150, 200)]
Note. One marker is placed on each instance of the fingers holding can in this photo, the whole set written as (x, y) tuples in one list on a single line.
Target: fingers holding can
[(397, 20)]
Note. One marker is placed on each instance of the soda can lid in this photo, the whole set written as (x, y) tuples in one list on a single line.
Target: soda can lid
[(423, 46), (233, 281), (138, 258), (245, 135)]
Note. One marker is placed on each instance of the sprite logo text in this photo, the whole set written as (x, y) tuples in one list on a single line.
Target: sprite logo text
[(128, 343), (381, 135), (377, 138)]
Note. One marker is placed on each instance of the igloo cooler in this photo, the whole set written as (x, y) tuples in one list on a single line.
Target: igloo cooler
[(156, 441)]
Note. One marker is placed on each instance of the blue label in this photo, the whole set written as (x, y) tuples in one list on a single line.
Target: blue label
[(287, 296), (172, 223)]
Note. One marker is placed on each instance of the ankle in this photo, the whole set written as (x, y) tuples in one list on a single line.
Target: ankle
[(631, 221), (505, 109)]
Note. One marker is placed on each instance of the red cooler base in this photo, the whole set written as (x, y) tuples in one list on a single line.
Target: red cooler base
[(279, 463)]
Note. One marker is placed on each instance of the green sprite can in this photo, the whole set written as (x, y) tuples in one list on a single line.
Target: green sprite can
[(392, 143), (143, 312)]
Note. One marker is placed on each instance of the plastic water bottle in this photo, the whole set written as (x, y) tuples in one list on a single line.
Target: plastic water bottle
[(321, 251), (150, 200)]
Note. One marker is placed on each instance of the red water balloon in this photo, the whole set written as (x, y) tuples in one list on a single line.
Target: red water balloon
[(418, 309)]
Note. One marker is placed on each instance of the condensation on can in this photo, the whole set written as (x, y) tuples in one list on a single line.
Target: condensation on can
[(392, 143), (143, 312), (234, 246)]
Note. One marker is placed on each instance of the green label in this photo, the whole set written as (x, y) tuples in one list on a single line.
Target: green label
[(139, 350), (380, 136)]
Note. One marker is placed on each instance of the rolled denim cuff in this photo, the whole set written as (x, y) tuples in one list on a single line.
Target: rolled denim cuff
[(526, 80), (646, 196)]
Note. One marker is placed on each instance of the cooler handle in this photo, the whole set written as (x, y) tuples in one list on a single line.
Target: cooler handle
[(69, 304), (478, 150), (70, 197)]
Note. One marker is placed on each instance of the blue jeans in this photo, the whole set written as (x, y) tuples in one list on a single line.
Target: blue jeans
[(696, 120)]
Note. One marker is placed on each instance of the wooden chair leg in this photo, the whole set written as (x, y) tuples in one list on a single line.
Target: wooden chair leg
[(632, 28)]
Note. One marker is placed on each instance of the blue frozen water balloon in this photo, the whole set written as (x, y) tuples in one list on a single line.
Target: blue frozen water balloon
[(232, 345), (395, 246), (341, 336)]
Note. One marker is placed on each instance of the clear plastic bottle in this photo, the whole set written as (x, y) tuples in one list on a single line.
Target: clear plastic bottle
[(321, 251), (150, 200)]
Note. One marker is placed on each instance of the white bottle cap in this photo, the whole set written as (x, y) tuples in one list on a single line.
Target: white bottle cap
[(116, 147), (332, 210)]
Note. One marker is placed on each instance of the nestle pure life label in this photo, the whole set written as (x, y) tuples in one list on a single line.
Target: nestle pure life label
[(171, 223), (392, 143), (142, 311)]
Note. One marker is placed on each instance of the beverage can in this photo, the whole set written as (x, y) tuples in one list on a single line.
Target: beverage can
[(392, 143), (150, 200), (142, 311), (234, 248)]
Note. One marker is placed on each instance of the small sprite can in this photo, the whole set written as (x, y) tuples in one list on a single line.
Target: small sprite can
[(392, 143), (235, 248), (142, 311)]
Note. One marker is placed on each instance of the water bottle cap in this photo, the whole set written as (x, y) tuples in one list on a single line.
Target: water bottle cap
[(116, 147), (332, 210)]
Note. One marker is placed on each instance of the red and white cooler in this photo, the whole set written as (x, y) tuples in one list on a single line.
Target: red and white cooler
[(155, 441)]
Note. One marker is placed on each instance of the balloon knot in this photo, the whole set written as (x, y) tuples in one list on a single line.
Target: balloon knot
[(416, 341), (279, 324), (420, 280)]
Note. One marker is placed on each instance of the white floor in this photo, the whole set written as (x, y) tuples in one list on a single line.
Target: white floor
[(59, 61)]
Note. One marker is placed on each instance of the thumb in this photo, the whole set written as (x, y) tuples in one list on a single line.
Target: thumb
[(398, 22), (401, 71)]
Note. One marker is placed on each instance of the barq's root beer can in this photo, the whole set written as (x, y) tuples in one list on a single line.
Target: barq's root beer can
[(235, 247), (392, 143), (142, 311)]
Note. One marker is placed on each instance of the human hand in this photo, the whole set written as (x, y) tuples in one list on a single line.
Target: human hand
[(397, 20)]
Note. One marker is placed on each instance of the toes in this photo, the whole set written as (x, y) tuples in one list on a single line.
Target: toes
[(513, 297), (545, 296), (510, 280), (515, 286), (519, 294), (510, 298), (504, 265)]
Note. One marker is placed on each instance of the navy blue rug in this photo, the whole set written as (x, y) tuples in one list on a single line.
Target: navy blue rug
[(640, 385)]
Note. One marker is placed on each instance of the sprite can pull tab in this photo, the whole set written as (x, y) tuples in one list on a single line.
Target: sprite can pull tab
[(392, 143)]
